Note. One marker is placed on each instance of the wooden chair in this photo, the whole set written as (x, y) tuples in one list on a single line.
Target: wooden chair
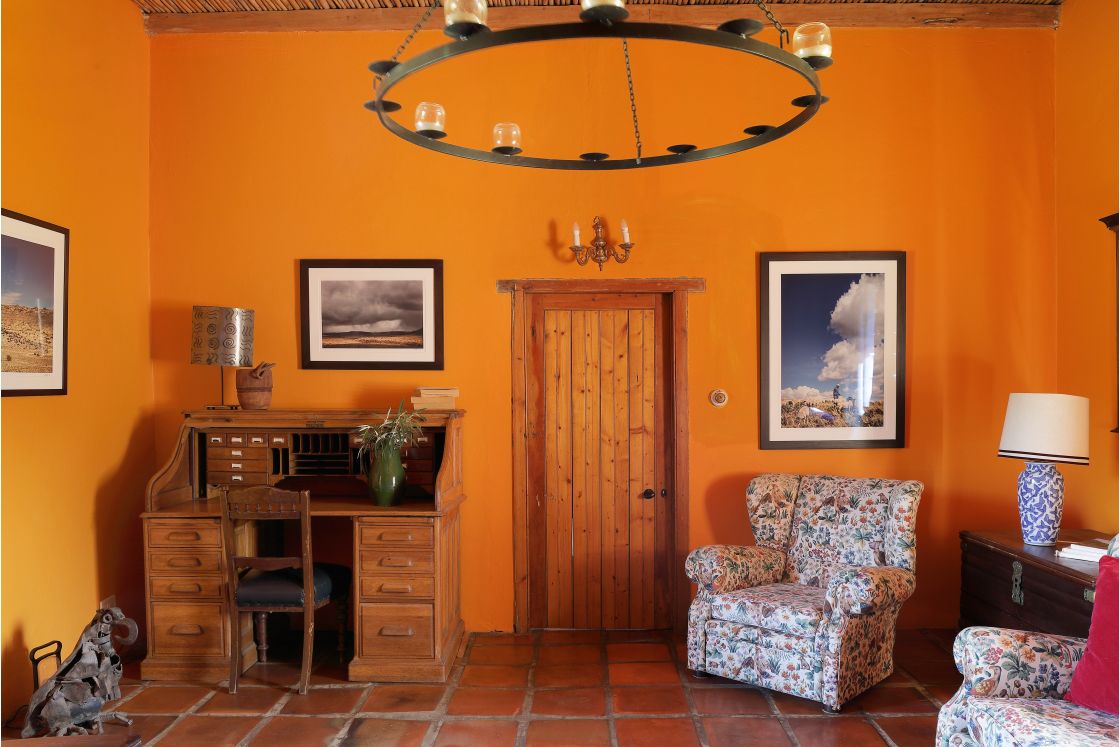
[(277, 584)]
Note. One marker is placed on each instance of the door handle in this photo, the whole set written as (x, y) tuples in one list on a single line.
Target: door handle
[(648, 493)]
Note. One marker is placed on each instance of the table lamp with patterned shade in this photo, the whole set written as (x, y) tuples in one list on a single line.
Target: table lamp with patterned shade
[(222, 336), (1044, 429)]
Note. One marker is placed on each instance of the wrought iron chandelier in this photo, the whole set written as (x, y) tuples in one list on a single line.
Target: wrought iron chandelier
[(465, 22)]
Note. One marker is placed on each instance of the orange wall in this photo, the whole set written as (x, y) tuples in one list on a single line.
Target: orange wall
[(936, 142), (75, 144), (1086, 158)]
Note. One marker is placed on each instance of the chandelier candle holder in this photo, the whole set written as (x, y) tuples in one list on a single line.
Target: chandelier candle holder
[(810, 50), (600, 250)]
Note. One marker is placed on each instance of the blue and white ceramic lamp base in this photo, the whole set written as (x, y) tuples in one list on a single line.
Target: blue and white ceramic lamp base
[(1041, 489)]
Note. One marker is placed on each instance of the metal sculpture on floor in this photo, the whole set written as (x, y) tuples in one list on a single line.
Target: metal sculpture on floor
[(70, 701)]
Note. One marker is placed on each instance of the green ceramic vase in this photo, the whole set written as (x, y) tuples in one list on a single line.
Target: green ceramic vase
[(386, 477)]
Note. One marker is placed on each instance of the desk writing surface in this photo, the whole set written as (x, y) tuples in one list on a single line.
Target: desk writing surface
[(323, 505)]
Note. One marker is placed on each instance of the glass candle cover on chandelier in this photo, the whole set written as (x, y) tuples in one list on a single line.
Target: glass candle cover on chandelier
[(464, 11), (507, 138), (610, 10), (430, 117), (812, 40)]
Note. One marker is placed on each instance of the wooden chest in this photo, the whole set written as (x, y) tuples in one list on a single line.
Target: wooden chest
[(1007, 584)]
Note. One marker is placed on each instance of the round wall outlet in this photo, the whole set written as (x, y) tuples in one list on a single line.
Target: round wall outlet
[(718, 397)]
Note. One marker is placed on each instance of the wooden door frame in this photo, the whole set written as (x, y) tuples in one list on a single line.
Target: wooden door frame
[(675, 291)]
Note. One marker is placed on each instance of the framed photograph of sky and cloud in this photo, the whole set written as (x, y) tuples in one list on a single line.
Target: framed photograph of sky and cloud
[(383, 314), (832, 350), (33, 276)]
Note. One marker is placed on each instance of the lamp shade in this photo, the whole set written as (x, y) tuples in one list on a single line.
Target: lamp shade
[(222, 336), (1046, 428)]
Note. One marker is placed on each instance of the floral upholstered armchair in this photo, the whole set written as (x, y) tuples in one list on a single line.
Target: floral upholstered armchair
[(810, 609)]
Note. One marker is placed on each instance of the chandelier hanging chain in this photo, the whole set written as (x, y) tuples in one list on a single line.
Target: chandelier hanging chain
[(633, 104), (783, 35), (411, 35)]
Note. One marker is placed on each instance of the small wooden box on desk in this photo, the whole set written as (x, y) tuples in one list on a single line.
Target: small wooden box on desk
[(1008, 584), (406, 612)]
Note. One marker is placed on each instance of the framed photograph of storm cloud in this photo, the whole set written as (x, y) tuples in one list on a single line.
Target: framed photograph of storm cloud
[(33, 276), (382, 314), (831, 350)]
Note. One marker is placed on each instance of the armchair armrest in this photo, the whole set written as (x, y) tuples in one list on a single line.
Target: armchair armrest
[(1003, 663), (856, 590), (722, 568)]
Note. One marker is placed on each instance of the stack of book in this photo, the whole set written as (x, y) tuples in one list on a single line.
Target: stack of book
[(1090, 550), (435, 398)]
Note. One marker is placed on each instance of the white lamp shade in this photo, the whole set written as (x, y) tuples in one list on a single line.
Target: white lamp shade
[(1046, 428)]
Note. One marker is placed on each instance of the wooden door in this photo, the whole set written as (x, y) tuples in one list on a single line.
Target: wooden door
[(599, 512)]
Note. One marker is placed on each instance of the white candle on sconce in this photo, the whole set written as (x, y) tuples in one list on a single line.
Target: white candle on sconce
[(575, 234), (625, 232)]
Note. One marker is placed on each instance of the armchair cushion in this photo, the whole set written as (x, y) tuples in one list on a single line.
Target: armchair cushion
[(1042, 722), (784, 608), (1094, 683), (855, 591), (723, 568)]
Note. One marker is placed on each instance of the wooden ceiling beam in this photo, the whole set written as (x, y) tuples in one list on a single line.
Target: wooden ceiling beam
[(841, 15)]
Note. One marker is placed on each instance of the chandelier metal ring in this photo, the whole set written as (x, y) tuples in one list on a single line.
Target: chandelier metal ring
[(809, 105)]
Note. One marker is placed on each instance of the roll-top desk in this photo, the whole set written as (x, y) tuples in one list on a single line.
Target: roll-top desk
[(405, 597)]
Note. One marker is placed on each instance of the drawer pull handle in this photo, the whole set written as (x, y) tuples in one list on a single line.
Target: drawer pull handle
[(185, 588), (397, 631), (184, 563), (396, 588), (215, 439), (396, 562), (1017, 582), (237, 478), (184, 535), (277, 439), (236, 452), (256, 440), (186, 630), (235, 439), (235, 465), (391, 537)]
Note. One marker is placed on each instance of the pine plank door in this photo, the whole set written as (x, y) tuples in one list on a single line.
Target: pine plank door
[(599, 517)]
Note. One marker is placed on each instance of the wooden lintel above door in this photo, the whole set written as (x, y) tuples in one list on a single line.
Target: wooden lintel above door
[(603, 285)]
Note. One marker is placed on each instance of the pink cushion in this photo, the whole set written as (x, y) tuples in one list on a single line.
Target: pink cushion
[(1095, 678)]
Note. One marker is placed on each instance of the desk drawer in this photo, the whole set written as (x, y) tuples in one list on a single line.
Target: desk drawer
[(237, 464), (191, 629), (256, 439), (388, 587), (402, 535), (184, 534), (171, 562), (396, 630), (185, 587), (277, 440), (235, 452), (237, 478), (402, 561), (236, 439)]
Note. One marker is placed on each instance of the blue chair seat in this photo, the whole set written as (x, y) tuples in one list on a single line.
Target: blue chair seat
[(284, 588)]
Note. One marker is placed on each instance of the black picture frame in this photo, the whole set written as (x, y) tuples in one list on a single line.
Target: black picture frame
[(311, 357), (14, 384), (892, 433)]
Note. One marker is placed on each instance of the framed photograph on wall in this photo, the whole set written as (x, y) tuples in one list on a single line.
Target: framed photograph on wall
[(381, 314), (33, 275), (831, 350)]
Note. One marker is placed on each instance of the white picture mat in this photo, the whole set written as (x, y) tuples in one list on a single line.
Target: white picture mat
[(19, 229), (889, 269), (315, 278)]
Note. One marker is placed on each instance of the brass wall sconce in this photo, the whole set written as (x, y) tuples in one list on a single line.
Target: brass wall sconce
[(600, 250)]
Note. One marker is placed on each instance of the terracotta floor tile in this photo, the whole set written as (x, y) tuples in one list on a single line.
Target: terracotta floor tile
[(485, 701), (934, 672), (571, 636), (721, 701), (579, 654), (327, 700), (481, 733), (842, 731), (941, 693), (247, 700), (568, 733), (692, 679), (943, 637), (146, 726), (378, 732), (794, 706), (165, 699), (516, 654), (569, 675), (890, 700), (899, 676), (487, 675), (635, 636), (638, 652), (643, 732), (579, 701), (745, 732), (330, 673), (212, 731), (909, 731), (666, 699), (302, 731), (503, 639), (403, 698), (281, 673), (657, 673)]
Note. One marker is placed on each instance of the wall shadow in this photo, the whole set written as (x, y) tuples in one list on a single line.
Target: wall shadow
[(725, 506)]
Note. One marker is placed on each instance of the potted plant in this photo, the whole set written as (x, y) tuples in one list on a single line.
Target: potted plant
[(383, 442)]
